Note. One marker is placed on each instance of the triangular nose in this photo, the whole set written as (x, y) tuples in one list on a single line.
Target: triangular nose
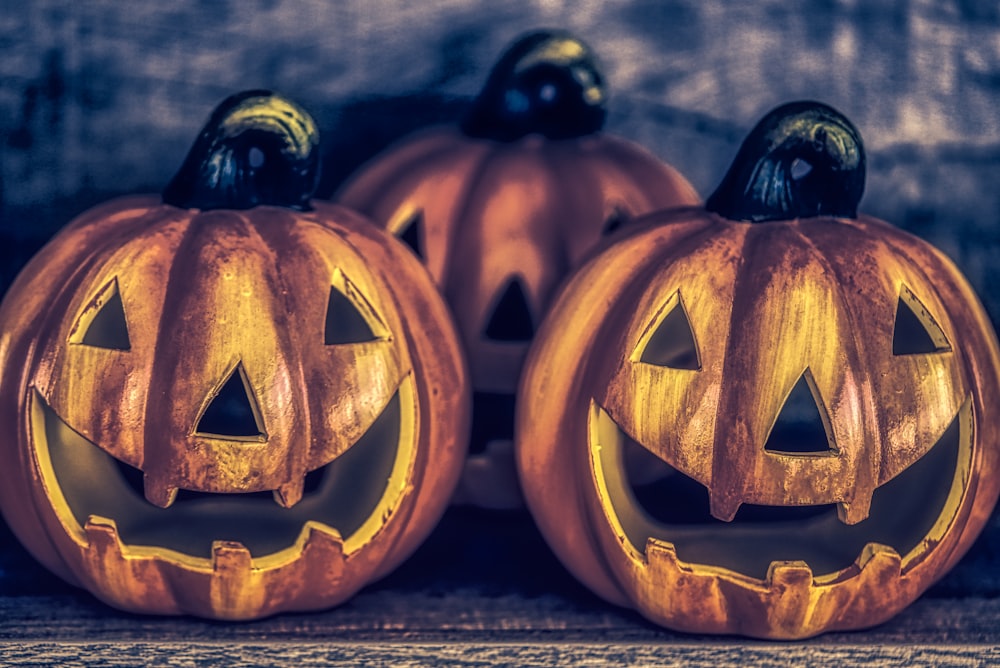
[(232, 410), (511, 319), (412, 233), (802, 427)]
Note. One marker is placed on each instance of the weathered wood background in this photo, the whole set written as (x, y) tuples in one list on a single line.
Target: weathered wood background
[(102, 97)]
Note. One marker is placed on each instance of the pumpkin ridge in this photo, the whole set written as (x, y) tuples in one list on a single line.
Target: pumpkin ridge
[(452, 154), (872, 424), (585, 181), (906, 247), (422, 159), (742, 299), (208, 232), (367, 187), (612, 155), (276, 239), (279, 240), (112, 245), (646, 268), (565, 538), (473, 193), (321, 453), (841, 272), (771, 252), (950, 287)]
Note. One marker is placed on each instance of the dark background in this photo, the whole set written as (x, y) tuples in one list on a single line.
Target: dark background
[(100, 98), (97, 100)]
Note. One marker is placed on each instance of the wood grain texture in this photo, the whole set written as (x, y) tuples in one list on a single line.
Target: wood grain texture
[(483, 590), (412, 630), (506, 654), (467, 616)]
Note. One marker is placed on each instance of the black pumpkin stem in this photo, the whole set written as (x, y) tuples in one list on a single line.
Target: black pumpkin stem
[(257, 148), (803, 159), (547, 82)]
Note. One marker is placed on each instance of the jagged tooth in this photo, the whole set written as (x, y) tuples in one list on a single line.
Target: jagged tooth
[(230, 557), (855, 511), (323, 539), (158, 492), (789, 574), (102, 535), (662, 553), (880, 561), (289, 494), (724, 507)]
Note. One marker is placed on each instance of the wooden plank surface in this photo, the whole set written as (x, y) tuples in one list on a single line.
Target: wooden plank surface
[(491, 654), (483, 590), (462, 616)]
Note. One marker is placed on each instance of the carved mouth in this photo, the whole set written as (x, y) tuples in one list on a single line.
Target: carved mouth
[(492, 419), (346, 500), (666, 518)]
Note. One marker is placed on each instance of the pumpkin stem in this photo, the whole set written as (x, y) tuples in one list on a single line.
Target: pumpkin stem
[(547, 82), (803, 159), (257, 148)]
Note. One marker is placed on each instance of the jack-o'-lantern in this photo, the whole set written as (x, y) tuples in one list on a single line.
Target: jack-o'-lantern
[(229, 401), (772, 416), (502, 207)]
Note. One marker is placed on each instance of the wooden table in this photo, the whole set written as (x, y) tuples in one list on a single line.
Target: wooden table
[(483, 590)]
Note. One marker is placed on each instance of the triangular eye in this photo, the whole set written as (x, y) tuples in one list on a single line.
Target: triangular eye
[(344, 321), (618, 217), (232, 412), (102, 324), (672, 343), (802, 427), (411, 233), (915, 331), (511, 320)]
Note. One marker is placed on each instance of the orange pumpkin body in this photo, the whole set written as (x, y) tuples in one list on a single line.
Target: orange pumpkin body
[(650, 439), (500, 215), (228, 413), (501, 211)]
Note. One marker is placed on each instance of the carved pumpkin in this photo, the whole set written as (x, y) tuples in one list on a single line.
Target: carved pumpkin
[(232, 401), (502, 207), (664, 440)]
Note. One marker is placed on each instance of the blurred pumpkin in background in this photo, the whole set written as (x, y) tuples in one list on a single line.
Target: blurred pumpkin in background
[(230, 401), (502, 206), (770, 417)]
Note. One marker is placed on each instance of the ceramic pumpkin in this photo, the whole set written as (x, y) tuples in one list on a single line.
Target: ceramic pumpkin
[(231, 401), (501, 207), (769, 417)]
